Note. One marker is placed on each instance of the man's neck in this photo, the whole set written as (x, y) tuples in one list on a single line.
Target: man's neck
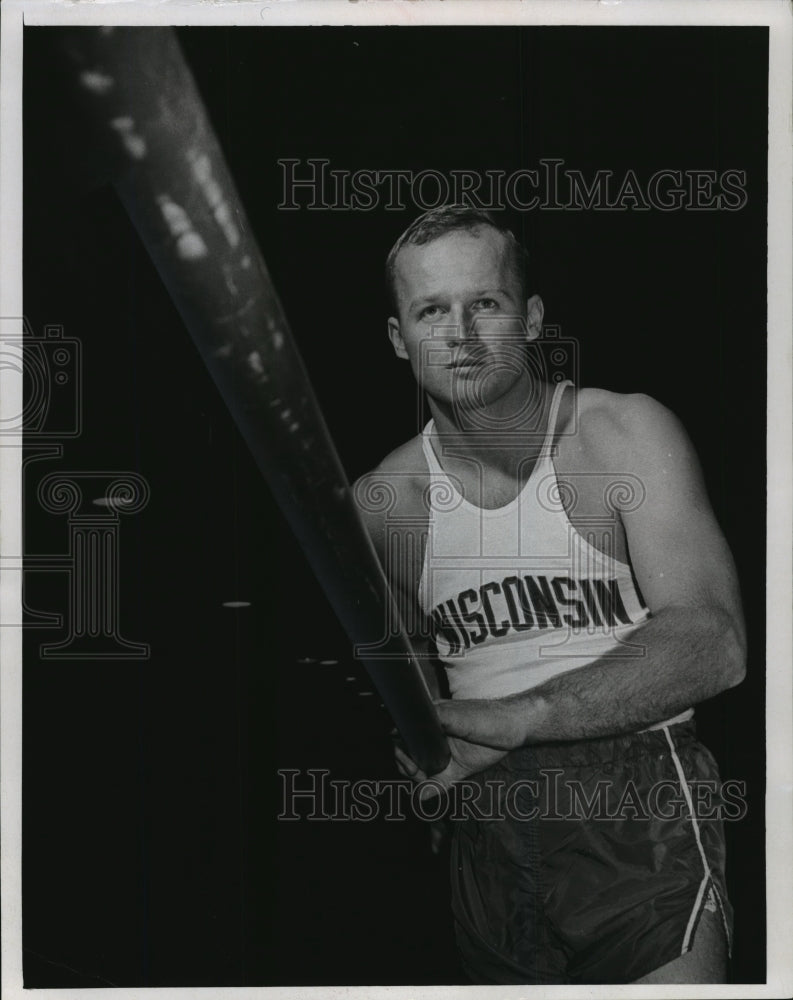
[(503, 434)]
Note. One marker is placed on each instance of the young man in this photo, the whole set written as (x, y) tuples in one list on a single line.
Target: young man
[(553, 548)]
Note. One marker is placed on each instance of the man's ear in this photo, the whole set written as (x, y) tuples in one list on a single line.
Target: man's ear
[(534, 314), (395, 337)]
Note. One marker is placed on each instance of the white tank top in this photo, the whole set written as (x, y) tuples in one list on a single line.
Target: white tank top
[(516, 595)]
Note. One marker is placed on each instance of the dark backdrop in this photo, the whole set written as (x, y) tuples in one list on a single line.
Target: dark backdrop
[(152, 855)]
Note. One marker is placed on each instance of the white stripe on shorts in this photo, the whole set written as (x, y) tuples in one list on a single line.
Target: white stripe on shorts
[(707, 877)]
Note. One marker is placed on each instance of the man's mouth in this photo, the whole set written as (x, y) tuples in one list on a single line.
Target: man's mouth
[(464, 364)]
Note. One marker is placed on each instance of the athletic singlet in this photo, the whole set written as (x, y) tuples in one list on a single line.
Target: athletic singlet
[(516, 595)]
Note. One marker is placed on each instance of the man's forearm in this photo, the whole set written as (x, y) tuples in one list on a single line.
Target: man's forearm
[(685, 656)]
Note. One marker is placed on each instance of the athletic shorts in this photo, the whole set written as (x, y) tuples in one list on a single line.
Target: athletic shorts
[(589, 862)]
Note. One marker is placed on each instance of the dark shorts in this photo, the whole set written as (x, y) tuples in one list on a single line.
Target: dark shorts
[(589, 862)]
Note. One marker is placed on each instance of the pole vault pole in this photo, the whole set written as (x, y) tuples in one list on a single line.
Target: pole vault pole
[(174, 183)]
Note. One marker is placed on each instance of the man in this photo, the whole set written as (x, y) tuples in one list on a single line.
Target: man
[(553, 548)]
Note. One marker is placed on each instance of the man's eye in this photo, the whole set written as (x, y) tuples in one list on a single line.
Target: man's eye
[(429, 312), (486, 304)]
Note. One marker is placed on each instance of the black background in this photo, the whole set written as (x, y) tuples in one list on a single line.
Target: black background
[(152, 855)]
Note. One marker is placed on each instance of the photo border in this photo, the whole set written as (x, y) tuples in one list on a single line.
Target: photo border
[(776, 14)]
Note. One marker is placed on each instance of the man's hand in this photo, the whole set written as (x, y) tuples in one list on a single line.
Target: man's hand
[(466, 759)]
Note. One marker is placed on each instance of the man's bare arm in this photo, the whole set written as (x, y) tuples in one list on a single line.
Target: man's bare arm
[(693, 646), (690, 655)]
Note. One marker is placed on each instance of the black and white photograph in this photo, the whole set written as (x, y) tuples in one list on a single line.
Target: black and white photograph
[(395, 466)]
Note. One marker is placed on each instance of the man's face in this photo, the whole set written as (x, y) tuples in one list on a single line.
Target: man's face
[(462, 323)]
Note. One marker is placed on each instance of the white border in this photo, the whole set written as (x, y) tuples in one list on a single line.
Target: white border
[(779, 693), (10, 511), (777, 14)]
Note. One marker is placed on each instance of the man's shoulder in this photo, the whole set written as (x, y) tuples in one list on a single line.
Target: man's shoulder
[(404, 465), (395, 486), (405, 460), (618, 425), (600, 407)]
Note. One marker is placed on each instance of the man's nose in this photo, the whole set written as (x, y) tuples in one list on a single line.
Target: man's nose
[(461, 327)]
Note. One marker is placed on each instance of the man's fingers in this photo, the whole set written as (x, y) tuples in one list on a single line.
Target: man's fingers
[(494, 723), (405, 764)]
